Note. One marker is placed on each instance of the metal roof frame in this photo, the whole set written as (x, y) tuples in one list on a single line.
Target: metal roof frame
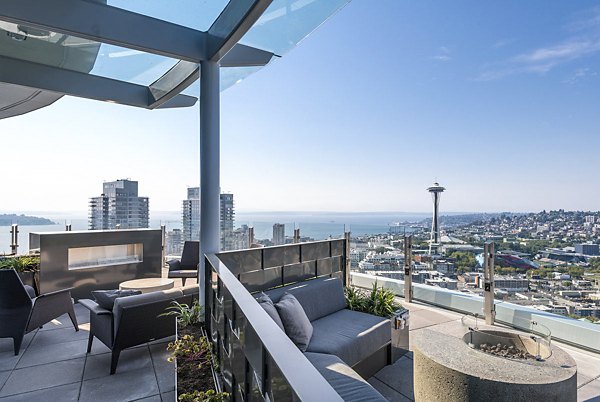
[(107, 24)]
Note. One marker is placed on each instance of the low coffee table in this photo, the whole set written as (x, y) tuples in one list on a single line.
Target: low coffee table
[(148, 285)]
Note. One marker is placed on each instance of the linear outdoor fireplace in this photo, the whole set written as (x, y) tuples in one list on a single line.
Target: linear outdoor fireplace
[(96, 259)]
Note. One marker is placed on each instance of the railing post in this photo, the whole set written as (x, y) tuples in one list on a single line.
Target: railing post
[(346, 258), (408, 290), (489, 309), (14, 238)]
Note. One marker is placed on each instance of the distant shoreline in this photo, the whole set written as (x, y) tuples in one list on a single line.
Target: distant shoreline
[(24, 220)]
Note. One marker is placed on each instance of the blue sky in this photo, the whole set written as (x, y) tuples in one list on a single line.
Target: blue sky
[(496, 100)]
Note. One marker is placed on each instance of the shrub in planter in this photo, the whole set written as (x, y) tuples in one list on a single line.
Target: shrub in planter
[(192, 352), (27, 266), (186, 315), (208, 396), (378, 301), (23, 263)]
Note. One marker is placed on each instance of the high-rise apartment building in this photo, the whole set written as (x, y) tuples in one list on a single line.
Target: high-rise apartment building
[(227, 216), (191, 218), (278, 234), (119, 206), (191, 215), (173, 242)]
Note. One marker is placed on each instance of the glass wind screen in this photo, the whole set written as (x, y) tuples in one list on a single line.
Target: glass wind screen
[(82, 55), (90, 257), (197, 14), (286, 22)]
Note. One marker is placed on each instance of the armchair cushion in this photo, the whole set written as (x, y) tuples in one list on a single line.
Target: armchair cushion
[(183, 273), (297, 326), (174, 265), (106, 298)]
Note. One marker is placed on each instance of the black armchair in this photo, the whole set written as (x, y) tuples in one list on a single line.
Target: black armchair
[(187, 267), (135, 320), (21, 311)]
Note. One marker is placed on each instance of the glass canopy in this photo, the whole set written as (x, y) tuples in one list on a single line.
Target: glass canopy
[(196, 14), (132, 46)]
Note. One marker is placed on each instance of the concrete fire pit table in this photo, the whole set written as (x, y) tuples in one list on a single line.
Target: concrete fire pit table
[(446, 368)]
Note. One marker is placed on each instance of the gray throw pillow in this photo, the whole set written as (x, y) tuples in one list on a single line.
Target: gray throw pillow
[(30, 291), (267, 304), (106, 298), (296, 323)]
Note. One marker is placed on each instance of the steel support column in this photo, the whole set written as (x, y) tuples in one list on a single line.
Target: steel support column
[(209, 165)]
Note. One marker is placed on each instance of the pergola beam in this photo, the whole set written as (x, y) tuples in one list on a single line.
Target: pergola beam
[(178, 78), (246, 56), (83, 85), (232, 24), (107, 24)]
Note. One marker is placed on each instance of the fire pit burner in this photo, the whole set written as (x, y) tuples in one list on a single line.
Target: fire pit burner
[(505, 351), (507, 344)]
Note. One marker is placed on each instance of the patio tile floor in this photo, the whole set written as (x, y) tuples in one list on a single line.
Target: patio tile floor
[(53, 366)]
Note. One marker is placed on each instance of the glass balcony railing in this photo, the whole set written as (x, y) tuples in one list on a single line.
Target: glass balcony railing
[(575, 332)]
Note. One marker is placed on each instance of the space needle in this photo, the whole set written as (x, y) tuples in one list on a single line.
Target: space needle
[(436, 190)]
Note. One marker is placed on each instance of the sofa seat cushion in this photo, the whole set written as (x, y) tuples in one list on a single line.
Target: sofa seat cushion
[(350, 335), (346, 382)]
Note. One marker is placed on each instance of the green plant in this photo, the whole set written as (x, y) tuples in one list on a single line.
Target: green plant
[(191, 349), (185, 314), (355, 299), (204, 396), (379, 301), (23, 263)]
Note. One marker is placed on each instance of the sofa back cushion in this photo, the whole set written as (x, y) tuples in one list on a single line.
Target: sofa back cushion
[(318, 297), (106, 298)]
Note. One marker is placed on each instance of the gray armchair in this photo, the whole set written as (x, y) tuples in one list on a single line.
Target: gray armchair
[(21, 311), (187, 267), (134, 320)]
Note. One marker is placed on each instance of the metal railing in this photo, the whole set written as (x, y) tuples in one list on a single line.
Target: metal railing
[(257, 360)]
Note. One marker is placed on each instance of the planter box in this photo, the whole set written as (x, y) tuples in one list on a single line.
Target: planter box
[(215, 375)]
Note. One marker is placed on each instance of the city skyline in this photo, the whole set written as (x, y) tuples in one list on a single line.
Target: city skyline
[(498, 78)]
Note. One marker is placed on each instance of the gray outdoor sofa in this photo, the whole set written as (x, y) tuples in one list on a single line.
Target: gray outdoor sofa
[(346, 346), (135, 320)]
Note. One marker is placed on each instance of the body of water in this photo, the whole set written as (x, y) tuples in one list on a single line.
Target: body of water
[(317, 225)]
